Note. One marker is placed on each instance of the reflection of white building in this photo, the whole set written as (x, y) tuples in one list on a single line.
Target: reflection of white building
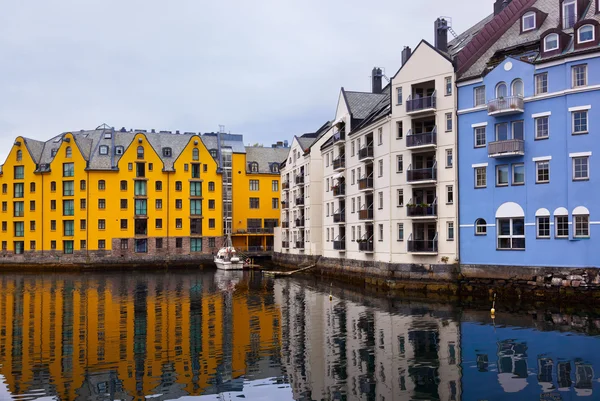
[(341, 349), (584, 377), (512, 365)]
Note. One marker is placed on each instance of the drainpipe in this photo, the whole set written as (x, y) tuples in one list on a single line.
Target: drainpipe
[(87, 213), (42, 212), (168, 206)]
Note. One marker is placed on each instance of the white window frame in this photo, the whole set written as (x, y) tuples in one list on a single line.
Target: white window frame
[(476, 131), (511, 235), (579, 33), (380, 199), (556, 226), (574, 70), (380, 167), (399, 164), (537, 175), (399, 95), (449, 157), (400, 231), (537, 227), (565, 4), (400, 197), (513, 180), (380, 229), (587, 162), (380, 136), (553, 35), (449, 120), (587, 122), (449, 229), (526, 16), (476, 90), (448, 86), (537, 123), (353, 233), (352, 149), (498, 86), (399, 130), (480, 224), (498, 184), (583, 221), (480, 168), (449, 194), (512, 87), (353, 203), (538, 78)]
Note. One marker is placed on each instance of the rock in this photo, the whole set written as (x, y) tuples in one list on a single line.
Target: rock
[(575, 277), (566, 283), (575, 283), (533, 283), (556, 281)]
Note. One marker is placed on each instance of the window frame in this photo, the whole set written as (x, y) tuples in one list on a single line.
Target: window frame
[(537, 78), (511, 234), (537, 171), (538, 225), (525, 17), (587, 121), (479, 168), (576, 225), (475, 133), (536, 123), (479, 223), (579, 33), (558, 225), (546, 48), (449, 157), (450, 231), (448, 86), (587, 168), (475, 92), (514, 182), (574, 76), (498, 167), (449, 120)]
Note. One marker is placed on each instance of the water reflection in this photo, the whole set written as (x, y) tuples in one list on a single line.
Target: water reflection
[(218, 335)]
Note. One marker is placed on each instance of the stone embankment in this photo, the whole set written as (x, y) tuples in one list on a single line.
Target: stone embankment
[(509, 282)]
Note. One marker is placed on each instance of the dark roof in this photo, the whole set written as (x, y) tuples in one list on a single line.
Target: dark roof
[(265, 157), (381, 110), (360, 104), (462, 40)]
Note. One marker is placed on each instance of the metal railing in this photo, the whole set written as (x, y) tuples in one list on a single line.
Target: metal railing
[(365, 152), (299, 245), (422, 174), (423, 245), (506, 104), (299, 179), (285, 224), (366, 182), (421, 103), (339, 190), (285, 185), (299, 222), (339, 244), (422, 139), (422, 209), (256, 230), (366, 245), (339, 216), (300, 201), (366, 213), (257, 248), (339, 163), (510, 146), (339, 136), (285, 244)]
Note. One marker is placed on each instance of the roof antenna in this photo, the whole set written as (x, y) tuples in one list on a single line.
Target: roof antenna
[(221, 129)]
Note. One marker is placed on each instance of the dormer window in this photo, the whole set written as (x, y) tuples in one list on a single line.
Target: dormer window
[(551, 42), (103, 150), (119, 150), (167, 152), (274, 168), (213, 153), (569, 13), (528, 21), (254, 167), (585, 34), (53, 152)]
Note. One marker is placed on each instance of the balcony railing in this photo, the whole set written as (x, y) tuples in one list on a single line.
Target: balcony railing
[(366, 245), (365, 183), (285, 244), (506, 105), (366, 152), (339, 190), (422, 174), (285, 205), (285, 185), (299, 244), (300, 201), (423, 139), (256, 230), (299, 180), (339, 216), (339, 163), (366, 213), (339, 245), (423, 246), (421, 104), (285, 224), (422, 210), (299, 222), (510, 147), (339, 136)]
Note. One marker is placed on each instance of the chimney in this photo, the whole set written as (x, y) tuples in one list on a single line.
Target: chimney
[(376, 80), (499, 5), (406, 53), (441, 34)]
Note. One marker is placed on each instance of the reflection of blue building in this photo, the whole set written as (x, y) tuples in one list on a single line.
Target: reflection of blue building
[(528, 195)]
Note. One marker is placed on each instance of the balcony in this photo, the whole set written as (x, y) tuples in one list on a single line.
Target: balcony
[(285, 205), (421, 105), (285, 224), (365, 184), (339, 163), (339, 245), (507, 148), (299, 245), (365, 214), (339, 136), (423, 247), (339, 190), (299, 222), (339, 216), (366, 245), (285, 244), (300, 201), (285, 185), (365, 153), (423, 210), (422, 175), (505, 106), (423, 140), (300, 180)]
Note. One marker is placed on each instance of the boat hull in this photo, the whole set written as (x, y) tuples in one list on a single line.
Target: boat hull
[(227, 265)]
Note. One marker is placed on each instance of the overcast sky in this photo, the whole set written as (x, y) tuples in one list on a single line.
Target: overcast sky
[(269, 69)]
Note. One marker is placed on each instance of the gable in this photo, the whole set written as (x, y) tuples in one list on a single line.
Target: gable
[(425, 61)]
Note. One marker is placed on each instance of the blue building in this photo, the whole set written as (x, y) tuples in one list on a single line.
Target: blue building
[(528, 148)]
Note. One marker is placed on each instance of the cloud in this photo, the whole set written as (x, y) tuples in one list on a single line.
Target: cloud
[(266, 68)]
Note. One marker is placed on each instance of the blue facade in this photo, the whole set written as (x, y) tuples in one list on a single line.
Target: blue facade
[(521, 220)]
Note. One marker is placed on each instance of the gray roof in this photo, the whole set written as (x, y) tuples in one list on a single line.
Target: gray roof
[(305, 142), (265, 157), (361, 104), (35, 148), (457, 44)]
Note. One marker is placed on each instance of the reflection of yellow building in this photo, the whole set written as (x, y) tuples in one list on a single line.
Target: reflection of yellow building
[(134, 336)]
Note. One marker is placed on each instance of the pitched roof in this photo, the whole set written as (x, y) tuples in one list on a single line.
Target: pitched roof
[(360, 104), (35, 148), (462, 40), (306, 142), (265, 157), (381, 110)]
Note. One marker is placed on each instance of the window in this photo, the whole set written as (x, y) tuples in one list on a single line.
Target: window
[(82, 185), (541, 83), (19, 172), (253, 185), (124, 244), (103, 150), (254, 203), (53, 152), (68, 188), (517, 88), (275, 203), (141, 207), (518, 174), (19, 190), (380, 197), (167, 152), (274, 168), (399, 164), (352, 149), (448, 122), (140, 170), (158, 204), (353, 176), (211, 204), (52, 225), (543, 226), (551, 42), (448, 86), (53, 186), (450, 230), (123, 204), (502, 175), (19, 209), (32, 225), (501, 90), (101, 244), (195, 207), (178, 203), (254, 167), (479, 137), (528, 21), (53, 244), (196, 244), (480, 227), (4, 225), (101, 224), (353, 206), (380, 136), (82, 244), (140, 152), (400, 231), (211, 223), (52, 204), (4, 188), (19, 227), (480, 177), (158, 223), (327, 160), (542, 172), (179, 243), (101, 185), (380, 226), (400, 196), (130, 166), (82, 204), (380, 164), (399, 95), (119, 150), (479, 96), (399, 131), (211, 186), (511, 233), (562, 226), (32, 246), (178, 223), (178, 186), (581, 168), (123, 185), (579, 75), (158, 185), (448, 158), (541, 128), (585, 34), (569, 14), (580, 122), (68, 228), (82, 224), (101, 203), (449, 194), (68, 208), (19, 155), (582, 226), (159, 243), (275, 186)]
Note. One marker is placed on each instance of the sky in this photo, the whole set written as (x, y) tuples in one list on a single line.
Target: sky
[(268, 69)]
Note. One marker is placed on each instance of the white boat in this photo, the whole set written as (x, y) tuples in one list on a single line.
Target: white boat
[(227, 257)]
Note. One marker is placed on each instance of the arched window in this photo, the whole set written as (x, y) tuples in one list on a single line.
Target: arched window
[(480, 227), (501, 90), (551, 42), (517, 87), (68, 152), (140, 152), (528, 21), (274, 168), (195, 154), (19, 155), (254, 167), (585, 34)]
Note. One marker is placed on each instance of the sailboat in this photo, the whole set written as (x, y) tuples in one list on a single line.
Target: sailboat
[(227, 258)]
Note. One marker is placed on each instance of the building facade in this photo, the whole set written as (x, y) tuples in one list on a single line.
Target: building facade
[(526, 158)]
